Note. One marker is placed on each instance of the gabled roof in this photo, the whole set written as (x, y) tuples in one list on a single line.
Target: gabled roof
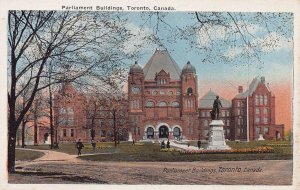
[(207, 100), (161, 60), (252, 88)]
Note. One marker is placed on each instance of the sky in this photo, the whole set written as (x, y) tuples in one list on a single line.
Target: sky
[(223, 76)]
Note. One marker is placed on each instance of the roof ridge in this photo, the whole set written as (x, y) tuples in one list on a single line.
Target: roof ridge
[(161, 59)]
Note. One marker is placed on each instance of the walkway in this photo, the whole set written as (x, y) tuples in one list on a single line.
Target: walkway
[(50, 156)]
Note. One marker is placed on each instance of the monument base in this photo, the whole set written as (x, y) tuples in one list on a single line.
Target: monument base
[(261, 137), (130, 137), (216, 136)]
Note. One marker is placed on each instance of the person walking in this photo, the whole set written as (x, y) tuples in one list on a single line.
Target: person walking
[(93, 144), (199, 144), (79, 146), (162, 144), (168, 144)]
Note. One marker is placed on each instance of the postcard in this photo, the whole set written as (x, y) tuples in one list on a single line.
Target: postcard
[(170, 95)]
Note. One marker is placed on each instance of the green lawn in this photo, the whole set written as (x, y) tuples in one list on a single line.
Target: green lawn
[(151, 152), (25, 155)]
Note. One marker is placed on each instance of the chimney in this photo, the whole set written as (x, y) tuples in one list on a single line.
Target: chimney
[(262, 79), (240, 89)]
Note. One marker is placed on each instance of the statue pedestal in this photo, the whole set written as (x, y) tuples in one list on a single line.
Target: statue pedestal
[(216, 136), (130, 136), (261, 137)]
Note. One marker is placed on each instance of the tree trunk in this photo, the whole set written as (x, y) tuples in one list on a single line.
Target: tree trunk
[(115, 127), (11, 145), (51, 117), (23, 133), (35, 124)]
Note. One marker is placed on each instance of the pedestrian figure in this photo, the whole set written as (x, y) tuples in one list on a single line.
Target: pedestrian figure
[(93, 144), (216, 107), (79, 146), (133, 142), (162, 144), (168, 144), (199, 144)]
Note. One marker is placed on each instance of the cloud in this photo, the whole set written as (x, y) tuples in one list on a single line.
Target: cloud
[(273, 42), (209, 32), (137, 41)]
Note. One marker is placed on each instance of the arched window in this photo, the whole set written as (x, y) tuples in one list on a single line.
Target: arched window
[(150, 133), (189, 91), (175, 104), (150, 104), (176, 132), (162, 104)]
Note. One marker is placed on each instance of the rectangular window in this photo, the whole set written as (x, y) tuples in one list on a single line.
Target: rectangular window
[(238, 131), (238, 112), (256, 100), (265, 99), (223, 113), (205, 123), (257, 110), (102, 133), (265, 111), (228, 131), (203, 113), (266, 130), (206, 133), (64, 132), (261, 100), (72, 132), (228, 122), (238, 104), (266, 120), (257, 131), (257, 119), (207, 114), (62, 121), (71, 122)]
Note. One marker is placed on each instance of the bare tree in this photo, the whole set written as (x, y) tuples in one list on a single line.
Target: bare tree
[(222, 37), (75, 43)]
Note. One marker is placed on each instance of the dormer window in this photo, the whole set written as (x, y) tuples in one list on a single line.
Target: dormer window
[(162, 78)]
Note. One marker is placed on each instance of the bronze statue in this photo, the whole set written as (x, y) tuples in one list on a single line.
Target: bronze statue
[(216, 108)]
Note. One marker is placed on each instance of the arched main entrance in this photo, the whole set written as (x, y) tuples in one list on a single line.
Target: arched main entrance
[(163, 132)]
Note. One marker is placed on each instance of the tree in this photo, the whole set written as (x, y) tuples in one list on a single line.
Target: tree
[(235, 38), (75, 43)]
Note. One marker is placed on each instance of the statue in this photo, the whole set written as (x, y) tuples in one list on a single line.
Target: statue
[(216, 109)]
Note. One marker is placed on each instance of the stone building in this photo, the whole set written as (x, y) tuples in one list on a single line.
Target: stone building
[(253, 112), (88, 117), (162, 103), (163, 99)]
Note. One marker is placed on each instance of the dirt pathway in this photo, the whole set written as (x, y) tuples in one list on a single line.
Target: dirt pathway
[(50, 156)]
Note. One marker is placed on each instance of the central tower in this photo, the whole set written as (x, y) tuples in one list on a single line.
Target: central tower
[(163, 99)]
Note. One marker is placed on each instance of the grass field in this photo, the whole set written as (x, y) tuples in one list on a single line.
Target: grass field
[(151, 152), (26, 155)]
